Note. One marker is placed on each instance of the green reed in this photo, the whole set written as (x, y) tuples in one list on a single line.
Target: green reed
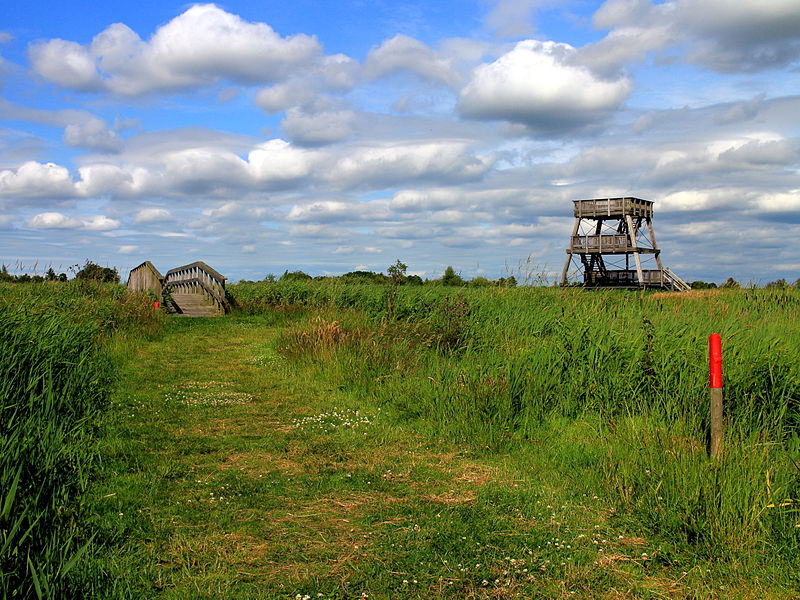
[(54, 378)]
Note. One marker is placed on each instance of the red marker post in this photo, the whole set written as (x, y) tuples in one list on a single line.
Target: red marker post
[(155, 304), (715, 384)]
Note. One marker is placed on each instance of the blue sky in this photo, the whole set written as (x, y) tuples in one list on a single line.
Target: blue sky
[(334, 136)]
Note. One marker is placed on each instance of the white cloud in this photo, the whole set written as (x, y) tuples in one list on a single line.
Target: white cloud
[(81, 128), (127, 249), (334, 73), (403, 53), (724, 36), (741, 36), (780, 202), (92, 134), (53, 220), (203, 170), (99, 179), (742, 111), (513, 18), (66, 63), (430, 199), (203, 45), (318, 128), (621, 13), (233, 211), (338, 71), (277, 161), (390, 164), (100, 223), (622, 46), (320, 212), (36, 180), (152, 215), (689, 200), (56, 220), (536, 85), (281, 96), (172, 171)]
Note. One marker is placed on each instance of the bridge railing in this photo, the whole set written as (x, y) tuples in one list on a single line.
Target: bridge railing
[(198, 278)]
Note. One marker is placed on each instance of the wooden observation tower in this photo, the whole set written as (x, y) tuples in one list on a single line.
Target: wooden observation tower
[(613, 245)]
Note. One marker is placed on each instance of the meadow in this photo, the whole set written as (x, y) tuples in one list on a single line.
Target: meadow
[(617, 379), (389, 441)]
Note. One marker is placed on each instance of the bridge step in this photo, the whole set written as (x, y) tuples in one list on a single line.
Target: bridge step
[(193, 305)]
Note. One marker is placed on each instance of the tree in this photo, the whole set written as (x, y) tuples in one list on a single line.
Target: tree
[(778, 283), (731, 284), (51, 275), (703, 285), (509, 281), (295, 276), (94, 272), (364, 277), (397, 272), (479, 282), (450, 277), (5, 276)]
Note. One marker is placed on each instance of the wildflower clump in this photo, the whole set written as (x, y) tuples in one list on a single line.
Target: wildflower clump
[(347, 418)]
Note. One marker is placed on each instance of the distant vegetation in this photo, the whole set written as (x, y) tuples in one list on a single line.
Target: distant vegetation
[(396, 274), (89, 272)]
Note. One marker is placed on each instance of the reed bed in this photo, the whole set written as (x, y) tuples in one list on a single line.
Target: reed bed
[(54, 379)]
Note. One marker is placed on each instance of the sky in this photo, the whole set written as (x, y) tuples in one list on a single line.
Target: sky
[(263, 136)]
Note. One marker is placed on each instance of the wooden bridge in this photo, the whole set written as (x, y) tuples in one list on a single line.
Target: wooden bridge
[(194, 290)]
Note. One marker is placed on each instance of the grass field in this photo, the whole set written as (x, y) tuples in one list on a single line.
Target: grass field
[(368, 441)]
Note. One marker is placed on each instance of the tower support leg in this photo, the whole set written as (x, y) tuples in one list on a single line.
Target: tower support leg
[(632, 236), (565, 271)]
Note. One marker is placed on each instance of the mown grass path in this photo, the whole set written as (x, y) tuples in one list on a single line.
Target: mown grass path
[(230, 473)]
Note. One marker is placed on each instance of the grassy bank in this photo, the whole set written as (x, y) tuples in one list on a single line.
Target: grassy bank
[(54, 380)]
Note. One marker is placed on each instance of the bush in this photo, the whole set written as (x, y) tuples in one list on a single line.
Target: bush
[(94, 272)]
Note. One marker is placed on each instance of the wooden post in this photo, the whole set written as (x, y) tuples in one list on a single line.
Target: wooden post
[(715, 384), (632, 235), (565, 271)]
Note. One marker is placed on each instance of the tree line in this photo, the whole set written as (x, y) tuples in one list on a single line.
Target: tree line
[(396, 274), (89, 272)]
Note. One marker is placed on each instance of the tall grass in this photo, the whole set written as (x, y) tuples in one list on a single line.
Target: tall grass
[(494, 368), (54, 377)]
